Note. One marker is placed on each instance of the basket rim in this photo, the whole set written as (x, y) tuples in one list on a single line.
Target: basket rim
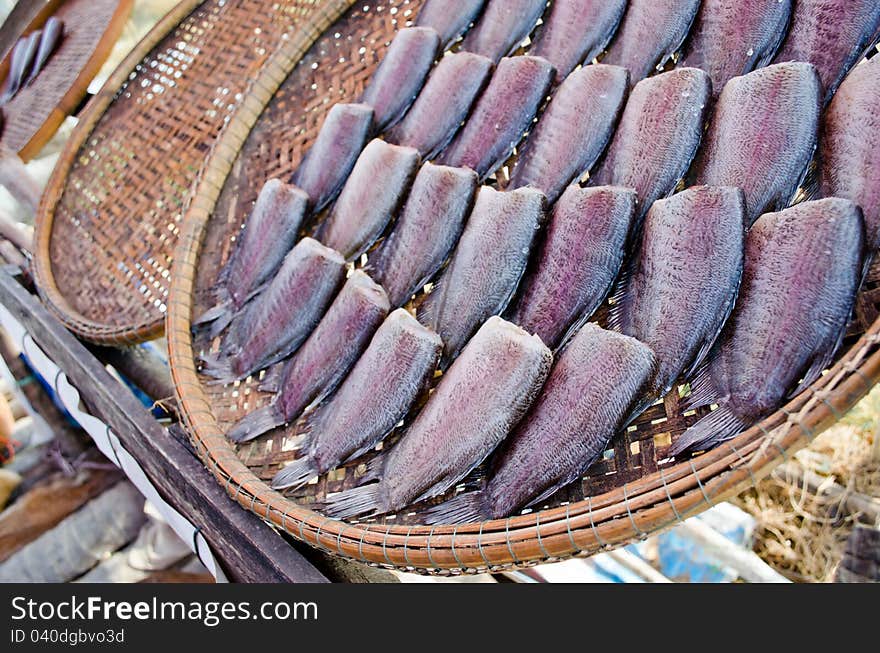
[(648, 505), (41, 264)]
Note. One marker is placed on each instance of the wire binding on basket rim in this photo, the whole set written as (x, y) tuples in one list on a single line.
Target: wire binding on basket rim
[(649, 504)]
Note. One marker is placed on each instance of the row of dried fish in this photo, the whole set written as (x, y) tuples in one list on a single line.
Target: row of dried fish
[(29, 57)]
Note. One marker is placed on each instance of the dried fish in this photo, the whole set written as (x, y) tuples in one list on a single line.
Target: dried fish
[(376, 188), (268, 235), (573, 131), (762, 135), (443, 104), (683, 280), (650, 33), (429, 227), (382, 387), (486, 267), (477, 402), (576, 263), (324, 358), (802, 268), (658, 135), (403, 70), (281, 317), (451, 18), (21, 60), (326, 165), (502, 115), (503, 26), (576, 31), (587, 399), (734, 37), (53, 30)]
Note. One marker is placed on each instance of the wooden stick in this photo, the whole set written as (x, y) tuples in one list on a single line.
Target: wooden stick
[(855, 503), (744, 562)]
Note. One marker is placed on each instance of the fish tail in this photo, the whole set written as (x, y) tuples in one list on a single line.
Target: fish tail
[(256, 423), (219, 369), (216, 312), (296, 474), (373, 471), (354, 502), (467, 507), (272, 381), (718, 426)]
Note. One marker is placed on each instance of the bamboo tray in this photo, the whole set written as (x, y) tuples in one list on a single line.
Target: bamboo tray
[(110, 216), (632, 491)]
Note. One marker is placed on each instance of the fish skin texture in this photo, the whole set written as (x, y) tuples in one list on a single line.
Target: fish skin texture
[(587, 399), (762, 135), (400, 75), (450, 18), (503, 26), (803, 266), (849, 147), (324, 358), (502, 115), (649, 34), (684, 278), (832, 35), (443, 104), (572, 131), (576, 264), (282, 316), (576, 31), (430, 225), (486, 267), (374, 192), (327, 164), (734, 37), (378, 392), (658, 136), (477, 402)]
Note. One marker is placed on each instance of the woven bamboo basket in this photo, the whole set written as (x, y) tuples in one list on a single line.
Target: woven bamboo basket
[(110, 216), (634, 490)]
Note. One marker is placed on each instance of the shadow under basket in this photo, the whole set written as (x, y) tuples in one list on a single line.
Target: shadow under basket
[(634, 490)]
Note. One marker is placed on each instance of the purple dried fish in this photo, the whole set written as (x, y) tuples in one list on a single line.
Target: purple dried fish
[(732, 37), (283, 315), (573, 130), (486, 266), (849, 148), (658, 135), (832, 35), (577, 261), (483, 395), (326, 165), (381, 389), (269, 234), (650, 33), (502, 115), (587, 399), (762, 135), (683, 280), (577, 31), (503, 26), (450, 18), (403, 70), (373, 193), (22, 59), (429, 227), (324, 358), (52, 33), (802, 269), (443, 104)]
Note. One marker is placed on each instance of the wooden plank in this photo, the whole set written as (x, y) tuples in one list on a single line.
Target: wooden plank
[(248, 548)]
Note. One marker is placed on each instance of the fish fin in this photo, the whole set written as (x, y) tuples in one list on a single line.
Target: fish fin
[(718, 426), (465, 508), (820, 362), (295, 475), (373, 471), (619, 295), (214, 313), (703, 391), (362, 500), (447, 482), (272, 381), (219, 369), (256, 423)]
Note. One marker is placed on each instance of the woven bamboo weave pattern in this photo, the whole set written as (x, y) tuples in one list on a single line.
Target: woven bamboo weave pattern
[(120, 190), (633, 490)]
